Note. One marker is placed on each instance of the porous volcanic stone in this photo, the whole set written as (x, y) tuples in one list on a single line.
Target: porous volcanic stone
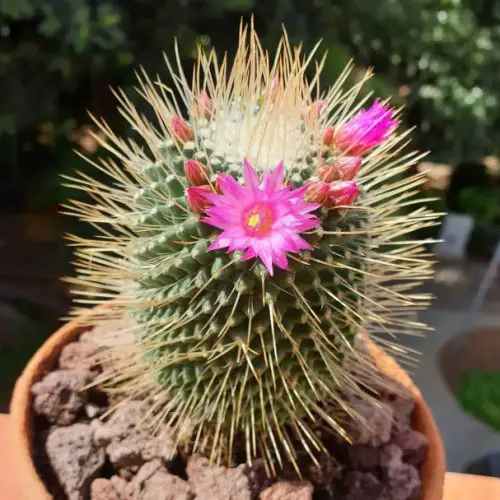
[(59, 396), (288, 490), (74, 458)]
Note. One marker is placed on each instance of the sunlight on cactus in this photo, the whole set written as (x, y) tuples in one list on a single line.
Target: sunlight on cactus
[(251, 232)]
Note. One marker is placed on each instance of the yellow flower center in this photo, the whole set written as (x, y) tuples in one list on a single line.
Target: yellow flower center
[(253, 220), (258, 220)]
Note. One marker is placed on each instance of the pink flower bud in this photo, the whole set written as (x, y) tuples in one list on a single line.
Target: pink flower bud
[(273, 88), (181, 131), (204, 105), (314, 110), (196, 172), (317, 192), (328, 136), (197, 198), (270, 91), (218, 181), (344, 168), (342, 193), (328, 172), (369, 128), (348, 167)]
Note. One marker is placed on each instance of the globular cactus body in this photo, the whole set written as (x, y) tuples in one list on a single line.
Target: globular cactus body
[(240, 348)]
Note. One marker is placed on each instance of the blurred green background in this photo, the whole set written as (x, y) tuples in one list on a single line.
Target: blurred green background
[(58, 58)]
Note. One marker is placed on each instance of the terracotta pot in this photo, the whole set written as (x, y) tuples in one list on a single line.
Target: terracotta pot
[(433, 469)]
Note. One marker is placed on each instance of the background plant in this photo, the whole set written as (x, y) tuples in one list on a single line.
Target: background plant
[(57, 60)]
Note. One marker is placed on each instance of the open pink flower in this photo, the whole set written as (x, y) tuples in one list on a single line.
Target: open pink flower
[(263, 217), (369, 128)]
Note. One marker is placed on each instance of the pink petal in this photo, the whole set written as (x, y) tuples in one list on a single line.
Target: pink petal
[(250, 175), (265, 252), (249, 254), (279, 258), (276, 178), (219, 242), (230, 187)]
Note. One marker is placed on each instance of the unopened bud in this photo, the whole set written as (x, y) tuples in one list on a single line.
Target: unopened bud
[(348, 167), (181, 131), (314, 110), (317, 192), (344, 168), (328, 172), (197, 198), (218, 182), (204, 105), (328, 136), (196, 172), (343, 193)]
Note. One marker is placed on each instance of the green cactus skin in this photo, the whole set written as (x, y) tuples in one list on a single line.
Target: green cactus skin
[(225, 351), (219, 302)]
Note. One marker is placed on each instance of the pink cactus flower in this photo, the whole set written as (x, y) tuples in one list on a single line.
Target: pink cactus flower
[(263, 217), (343, 193), (344, 168), (181, 131), (369, 128), (197, 198), (196, 172)]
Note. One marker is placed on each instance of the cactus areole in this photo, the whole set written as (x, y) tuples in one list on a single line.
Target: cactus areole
[(250, 232)]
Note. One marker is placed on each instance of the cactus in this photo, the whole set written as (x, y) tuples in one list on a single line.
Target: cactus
[(251, 242)]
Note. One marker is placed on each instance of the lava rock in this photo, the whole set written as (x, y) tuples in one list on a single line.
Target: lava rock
[(126, 474), (78, 354), (164, 486), (402, 404), (154, 482), (74, 458), (120, 485), (375, 424), (403, 484), (214, 482), (59, 396), (391, 460), (146, 472), (414, 445), (103, 489), (363, 458), (361, 486), (288, 490), (128, 446)]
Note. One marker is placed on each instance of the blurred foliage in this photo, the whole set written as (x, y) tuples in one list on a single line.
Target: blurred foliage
[(59, 57), (443, 55), (481, 204), (479, 395)]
